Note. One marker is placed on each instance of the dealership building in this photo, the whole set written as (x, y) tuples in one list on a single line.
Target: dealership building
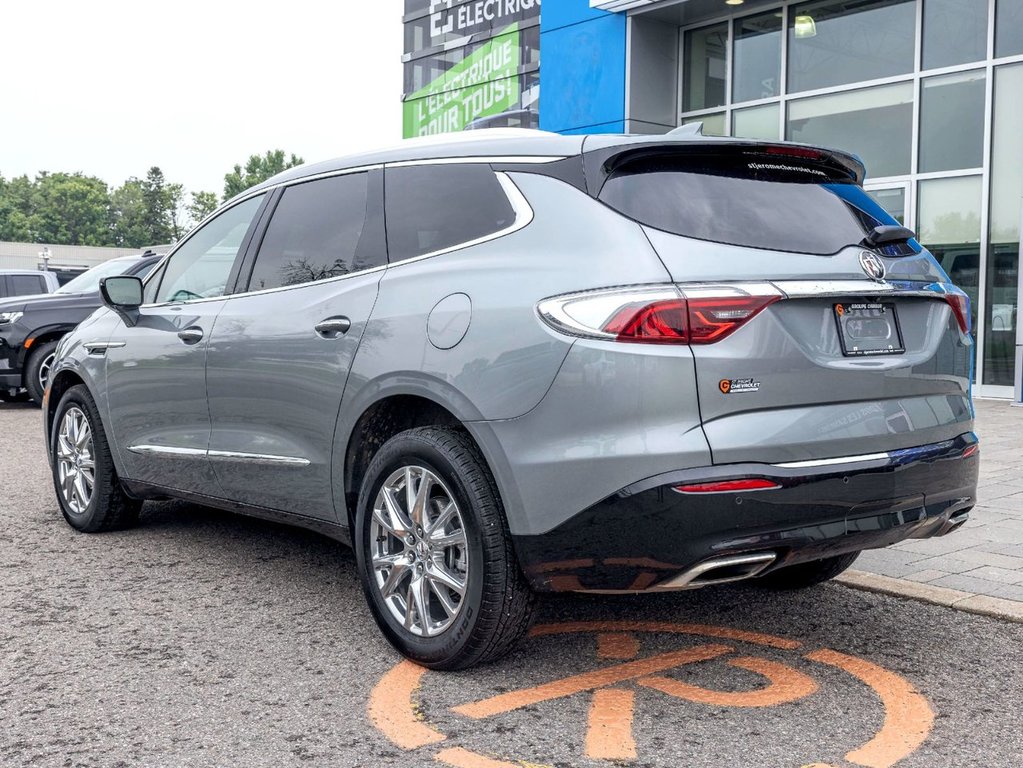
[(929, 93)]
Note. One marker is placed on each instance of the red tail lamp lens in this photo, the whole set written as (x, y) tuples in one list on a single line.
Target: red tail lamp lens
[(678, 321), (970, 450), (663, 322), (730, 486), (713, 319), (960, 304)]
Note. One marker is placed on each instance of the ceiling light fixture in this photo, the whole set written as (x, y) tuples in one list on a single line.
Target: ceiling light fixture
[(805, 26), (734, 2)]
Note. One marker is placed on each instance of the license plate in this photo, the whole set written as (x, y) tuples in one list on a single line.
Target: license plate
[(868, 329)]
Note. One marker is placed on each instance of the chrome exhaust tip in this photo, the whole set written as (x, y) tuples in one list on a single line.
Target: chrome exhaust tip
[(720, 570), (955, 522)]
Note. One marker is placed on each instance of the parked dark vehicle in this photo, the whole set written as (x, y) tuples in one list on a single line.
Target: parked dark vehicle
[(539, 363), (26, 282), (31, 326)]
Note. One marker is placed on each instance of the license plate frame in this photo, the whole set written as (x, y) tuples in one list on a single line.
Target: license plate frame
[(854, 343)]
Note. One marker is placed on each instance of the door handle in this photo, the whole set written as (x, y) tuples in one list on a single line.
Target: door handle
[(191, 335), (333, 327)]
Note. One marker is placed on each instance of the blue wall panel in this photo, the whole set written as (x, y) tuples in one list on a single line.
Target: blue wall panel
[(582, 68), (560, 13)]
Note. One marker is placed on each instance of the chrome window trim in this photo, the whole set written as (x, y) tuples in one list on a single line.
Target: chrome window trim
[(523, 216), (521, 207), (247, 195)]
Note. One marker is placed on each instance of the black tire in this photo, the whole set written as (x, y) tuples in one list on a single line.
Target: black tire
[(109, 508), (808, 574), (497, 605), (40, 356)]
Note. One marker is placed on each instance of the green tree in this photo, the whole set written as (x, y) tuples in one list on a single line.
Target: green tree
[(201, 206), (69, 209), (258, 168), (16, 209), (160, 204), (127, 222), (146, 212)]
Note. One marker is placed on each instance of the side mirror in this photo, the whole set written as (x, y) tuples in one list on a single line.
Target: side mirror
[(122, 293)]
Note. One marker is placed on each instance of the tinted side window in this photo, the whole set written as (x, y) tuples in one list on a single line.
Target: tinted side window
[(200, 268), (23, 285), (433, 207), (319, 230)]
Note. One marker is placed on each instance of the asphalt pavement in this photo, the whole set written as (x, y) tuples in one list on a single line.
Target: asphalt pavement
[(206, 639)]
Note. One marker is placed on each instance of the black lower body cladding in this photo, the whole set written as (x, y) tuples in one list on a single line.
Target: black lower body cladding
[(649, 533)]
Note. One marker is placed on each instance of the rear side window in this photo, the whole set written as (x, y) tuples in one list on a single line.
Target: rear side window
[(435, 207), (24, 285), (781, 204), (318, 231)]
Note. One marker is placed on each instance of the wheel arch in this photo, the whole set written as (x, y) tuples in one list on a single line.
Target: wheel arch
[(378, 422), (60, 383), (42, 336), (423, 396)]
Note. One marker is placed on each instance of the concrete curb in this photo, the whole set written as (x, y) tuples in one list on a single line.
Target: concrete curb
[(999, 607)]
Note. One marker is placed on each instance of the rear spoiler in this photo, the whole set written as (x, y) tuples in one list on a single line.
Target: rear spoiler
[(832, 165)]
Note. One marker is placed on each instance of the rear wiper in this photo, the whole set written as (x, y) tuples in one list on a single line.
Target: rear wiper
[(886, 234)]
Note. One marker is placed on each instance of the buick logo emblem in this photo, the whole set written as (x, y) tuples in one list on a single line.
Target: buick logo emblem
[(872, 266)]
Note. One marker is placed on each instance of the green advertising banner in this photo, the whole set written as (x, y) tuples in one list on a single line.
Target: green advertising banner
[(484, 83)]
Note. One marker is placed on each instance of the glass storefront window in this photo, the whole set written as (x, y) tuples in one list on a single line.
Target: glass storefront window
[(952, 122), (892, 200), (1006, 205), (1008, 27), (756, 122), (874, 123), (835, 42), (756, 63), (949, 226), (705, 67), (713, 125), (955, 32)]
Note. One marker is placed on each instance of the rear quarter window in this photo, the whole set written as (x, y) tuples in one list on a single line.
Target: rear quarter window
[(435, 207)]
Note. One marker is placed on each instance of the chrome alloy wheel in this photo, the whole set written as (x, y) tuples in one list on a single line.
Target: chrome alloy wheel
[(419, 552), (44, 370), (76, 463)]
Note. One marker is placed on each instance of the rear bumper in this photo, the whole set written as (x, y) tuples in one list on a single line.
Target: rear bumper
[(649, 535)]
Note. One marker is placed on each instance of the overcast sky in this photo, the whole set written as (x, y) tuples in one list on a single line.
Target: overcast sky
[(111, 88)]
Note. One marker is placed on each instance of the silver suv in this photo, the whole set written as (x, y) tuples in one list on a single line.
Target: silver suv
[(515, 362)]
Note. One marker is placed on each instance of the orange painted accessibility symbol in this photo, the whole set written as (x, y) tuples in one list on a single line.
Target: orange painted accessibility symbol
[(609, 728)]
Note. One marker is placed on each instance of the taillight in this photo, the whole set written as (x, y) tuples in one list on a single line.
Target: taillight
[(711, 319), (960, 304), (970, 450), (659, 315), (730, 486)]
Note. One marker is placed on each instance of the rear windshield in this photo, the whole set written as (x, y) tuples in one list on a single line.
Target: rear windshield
[(779, 204)]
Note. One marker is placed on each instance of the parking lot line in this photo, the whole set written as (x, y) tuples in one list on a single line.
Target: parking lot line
[(392, 711), (609, 730)]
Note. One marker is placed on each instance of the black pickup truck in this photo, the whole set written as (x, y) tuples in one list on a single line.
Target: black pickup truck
[(31, 326)]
